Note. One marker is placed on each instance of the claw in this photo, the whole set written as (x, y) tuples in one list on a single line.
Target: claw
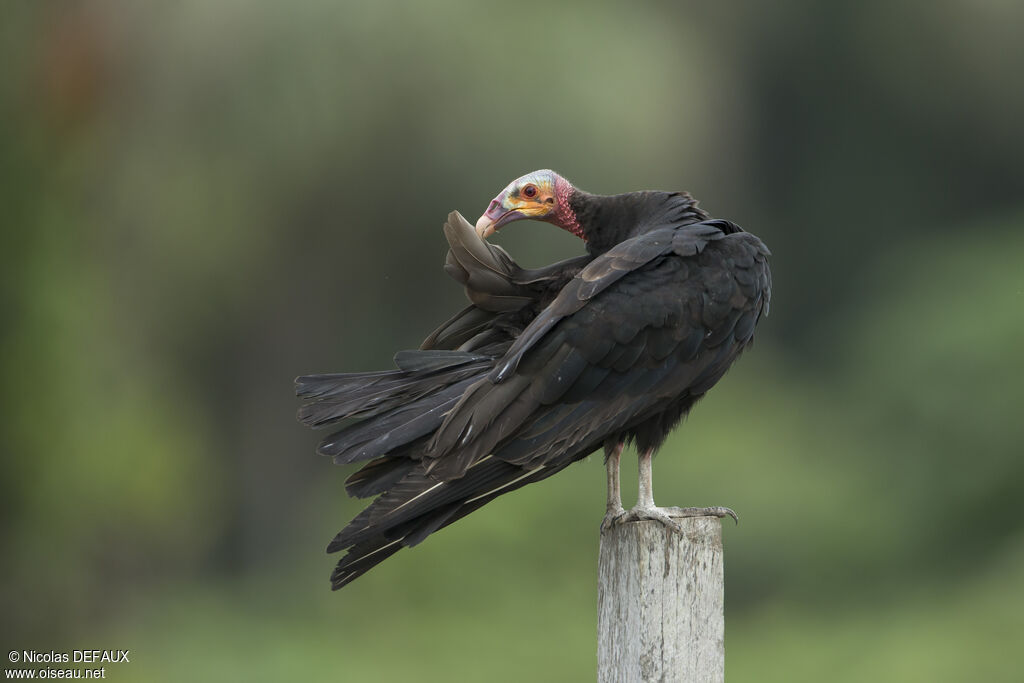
[(663, 515), (654, 514), (714, 511), (611, 518)]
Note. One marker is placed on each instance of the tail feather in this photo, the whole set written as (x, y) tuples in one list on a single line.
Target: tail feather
[(418, 493), (386, 541), (377, 476), (352, 395), (430, 360), (460, 328), (372, 554), (372, 438), (368, 394), (331, 384), (428, 524)]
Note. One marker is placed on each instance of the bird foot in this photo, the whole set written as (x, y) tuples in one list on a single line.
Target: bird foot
[(663, 515), (654, 514), (611, 518), (714, 511)]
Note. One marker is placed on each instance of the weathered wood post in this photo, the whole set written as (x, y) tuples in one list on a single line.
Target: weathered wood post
[(661, 597)]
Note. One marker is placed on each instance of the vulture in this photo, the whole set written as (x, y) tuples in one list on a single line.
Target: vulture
[(545, 366)]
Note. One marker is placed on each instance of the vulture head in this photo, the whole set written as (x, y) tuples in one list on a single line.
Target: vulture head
[(542, 195)]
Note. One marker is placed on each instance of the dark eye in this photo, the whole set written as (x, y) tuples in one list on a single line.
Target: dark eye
[(529, 191)]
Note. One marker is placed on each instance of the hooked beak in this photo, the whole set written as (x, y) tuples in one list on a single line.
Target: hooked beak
[(495, 216)]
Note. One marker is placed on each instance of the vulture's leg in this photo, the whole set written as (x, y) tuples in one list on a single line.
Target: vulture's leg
[(646, 509), (612, 453)]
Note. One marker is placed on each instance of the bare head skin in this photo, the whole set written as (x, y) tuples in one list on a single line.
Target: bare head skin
[(542, 195)]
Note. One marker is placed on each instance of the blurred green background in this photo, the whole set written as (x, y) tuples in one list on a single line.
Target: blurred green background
[(201, 200)]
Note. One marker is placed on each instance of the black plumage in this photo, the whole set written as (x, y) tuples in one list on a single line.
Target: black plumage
[(545, 366)]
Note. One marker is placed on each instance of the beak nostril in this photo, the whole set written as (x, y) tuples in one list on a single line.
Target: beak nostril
[(496, 208)]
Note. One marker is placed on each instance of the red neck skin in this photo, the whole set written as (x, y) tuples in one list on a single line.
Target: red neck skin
[(564, 217)]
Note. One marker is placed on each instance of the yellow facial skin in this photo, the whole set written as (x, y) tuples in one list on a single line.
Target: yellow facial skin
[(531, 196)]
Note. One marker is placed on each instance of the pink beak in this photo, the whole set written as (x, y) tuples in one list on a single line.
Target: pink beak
[(494, 217)]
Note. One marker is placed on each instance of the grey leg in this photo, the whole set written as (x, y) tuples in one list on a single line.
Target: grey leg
[(646, 509), (614, 508)]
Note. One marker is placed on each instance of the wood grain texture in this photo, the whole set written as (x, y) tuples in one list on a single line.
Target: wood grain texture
[(660, 603)]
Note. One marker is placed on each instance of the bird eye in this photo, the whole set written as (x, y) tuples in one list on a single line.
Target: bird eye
[(529, 191)]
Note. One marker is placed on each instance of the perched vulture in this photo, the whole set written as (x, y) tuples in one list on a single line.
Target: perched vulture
[(545, 366)]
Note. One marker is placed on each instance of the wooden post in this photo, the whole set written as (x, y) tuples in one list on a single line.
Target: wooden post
[(660, 598)]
